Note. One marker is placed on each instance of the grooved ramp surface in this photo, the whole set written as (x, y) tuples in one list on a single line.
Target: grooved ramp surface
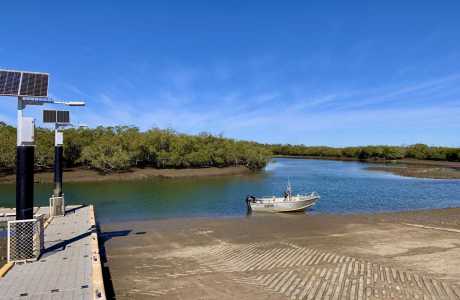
[(283, 257), (64, 271), (285, 271), (308, 273)]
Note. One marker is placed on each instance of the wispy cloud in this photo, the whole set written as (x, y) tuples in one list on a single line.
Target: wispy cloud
[(409, 93), (275, 112), (74, 90)]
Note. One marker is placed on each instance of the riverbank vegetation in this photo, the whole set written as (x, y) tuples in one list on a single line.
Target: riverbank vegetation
[(120, 148), (378, 153), (109, 149)]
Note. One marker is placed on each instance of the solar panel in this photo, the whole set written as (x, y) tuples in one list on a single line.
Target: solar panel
[(18, 83), (34, 85), (9, 83), (53, 116), (63, 116), (49, 116)]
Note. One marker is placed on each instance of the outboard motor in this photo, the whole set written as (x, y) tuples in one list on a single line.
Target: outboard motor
[(250, 199)]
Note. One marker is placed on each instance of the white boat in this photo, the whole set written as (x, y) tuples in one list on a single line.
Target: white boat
[(288, 203)]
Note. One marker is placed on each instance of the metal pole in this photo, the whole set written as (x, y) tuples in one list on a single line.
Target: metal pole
[(24, 182), (58, 164), (24, 171)]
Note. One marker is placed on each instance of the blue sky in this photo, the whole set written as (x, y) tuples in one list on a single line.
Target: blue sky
[(313, 72)]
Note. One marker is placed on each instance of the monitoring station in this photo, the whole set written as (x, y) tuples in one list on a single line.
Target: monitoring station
[(24, 85), (30, 88)]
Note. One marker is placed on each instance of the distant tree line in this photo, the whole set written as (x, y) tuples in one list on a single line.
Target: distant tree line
[(417, 151), (120, 148)]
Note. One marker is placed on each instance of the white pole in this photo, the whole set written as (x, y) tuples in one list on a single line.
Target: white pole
[(21, 107), (56, 132)]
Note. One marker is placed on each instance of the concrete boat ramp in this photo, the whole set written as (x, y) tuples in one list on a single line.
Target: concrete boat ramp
[(70, 266), (410, 255)]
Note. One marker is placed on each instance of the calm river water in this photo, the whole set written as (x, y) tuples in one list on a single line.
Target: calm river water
[(345, 187)]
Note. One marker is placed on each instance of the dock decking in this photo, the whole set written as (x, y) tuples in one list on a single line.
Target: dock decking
[(70, 266)]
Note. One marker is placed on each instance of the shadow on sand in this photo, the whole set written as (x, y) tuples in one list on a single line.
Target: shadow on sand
[(103, 238)]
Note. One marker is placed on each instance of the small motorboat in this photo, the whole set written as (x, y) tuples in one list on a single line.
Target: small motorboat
[(288, 203)]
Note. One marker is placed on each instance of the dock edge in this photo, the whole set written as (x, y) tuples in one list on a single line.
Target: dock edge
[(97, 278)]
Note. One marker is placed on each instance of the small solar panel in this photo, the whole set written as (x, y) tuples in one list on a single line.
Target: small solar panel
[(53, 116), (18, 83), (49, 116), (9, 83), (63, 116)]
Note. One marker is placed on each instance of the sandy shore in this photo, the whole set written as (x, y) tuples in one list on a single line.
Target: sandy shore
[(406, 255), (418, 171), (404, 167), (85, 175), (406, 161)]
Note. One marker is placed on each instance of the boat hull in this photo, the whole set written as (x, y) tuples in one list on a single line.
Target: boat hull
[(283, 206)]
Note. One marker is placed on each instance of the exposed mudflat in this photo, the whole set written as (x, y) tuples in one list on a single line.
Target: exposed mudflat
[(419, 171), (406, 255), (404, 167), (85, 175)]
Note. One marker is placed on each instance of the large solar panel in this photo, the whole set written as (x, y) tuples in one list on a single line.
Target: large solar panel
[(9, 83), (18, 83), (53, 116), (34, 84)]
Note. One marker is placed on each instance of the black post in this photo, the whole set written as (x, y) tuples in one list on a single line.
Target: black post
[(24, 182), (58, 171)]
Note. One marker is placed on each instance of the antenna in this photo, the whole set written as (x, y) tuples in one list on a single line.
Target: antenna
[(289, 189)]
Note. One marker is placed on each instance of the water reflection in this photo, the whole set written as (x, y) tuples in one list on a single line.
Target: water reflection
[(344, 187)]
